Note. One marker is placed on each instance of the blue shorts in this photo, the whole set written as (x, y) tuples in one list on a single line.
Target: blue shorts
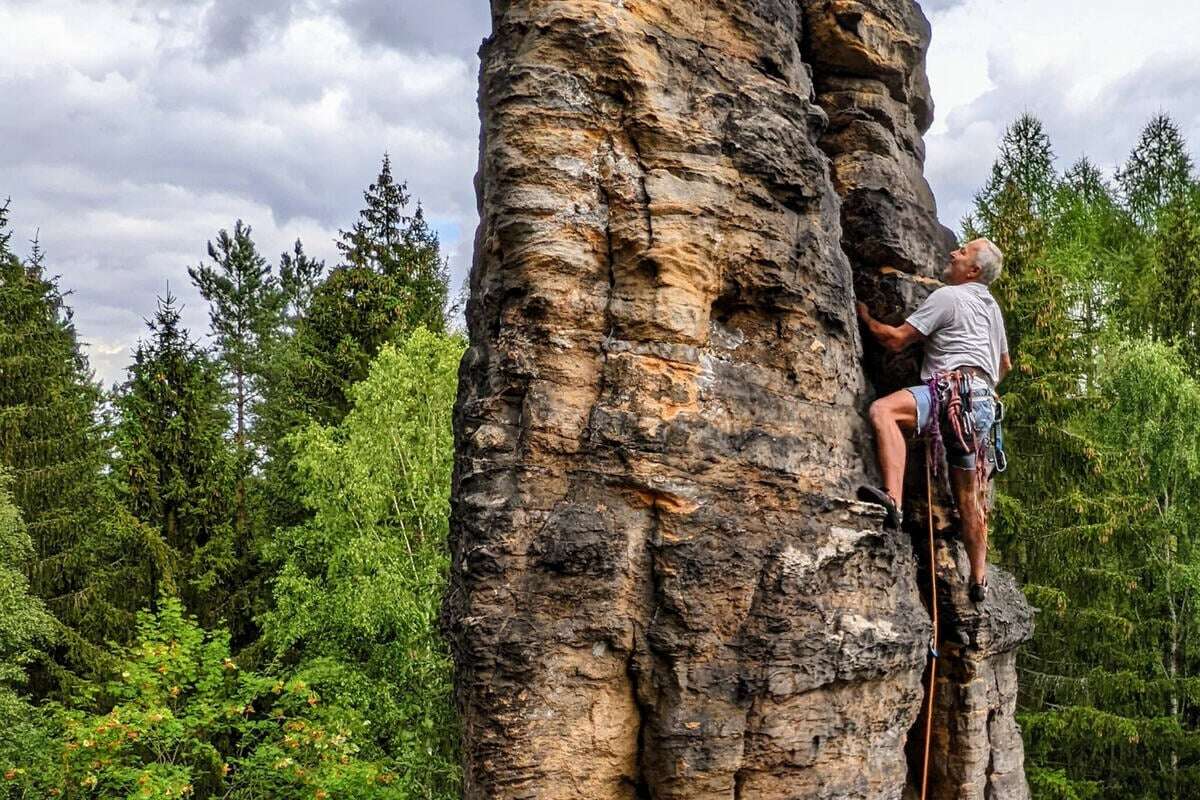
[(983, 412)]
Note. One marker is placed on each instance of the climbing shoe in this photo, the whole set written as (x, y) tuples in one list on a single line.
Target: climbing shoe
[(870, 494), (978, 592)]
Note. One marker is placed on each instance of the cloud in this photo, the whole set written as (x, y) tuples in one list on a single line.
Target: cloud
[(1065, 71), (158, 123), (385, 22), (934, 6), (233, 28)]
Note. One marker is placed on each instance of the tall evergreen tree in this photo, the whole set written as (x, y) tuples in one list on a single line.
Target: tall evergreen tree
[(1157, 171), (401, 247), (244, 308), (392, 280), (173, 471), (50, 444)]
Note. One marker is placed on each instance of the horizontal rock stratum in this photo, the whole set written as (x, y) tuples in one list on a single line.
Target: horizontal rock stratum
[(658, 587)]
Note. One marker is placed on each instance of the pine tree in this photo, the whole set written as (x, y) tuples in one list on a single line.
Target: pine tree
[(50, 444), (392, 280), (244, 307), (173, 472), (1157, 171)]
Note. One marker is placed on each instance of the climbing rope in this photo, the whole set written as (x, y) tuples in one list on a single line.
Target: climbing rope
[(933, 636)]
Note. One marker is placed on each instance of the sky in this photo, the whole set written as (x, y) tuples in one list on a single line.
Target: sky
[(131, 131)]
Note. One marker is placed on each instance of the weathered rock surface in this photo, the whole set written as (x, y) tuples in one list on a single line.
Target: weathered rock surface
[(658, 589)]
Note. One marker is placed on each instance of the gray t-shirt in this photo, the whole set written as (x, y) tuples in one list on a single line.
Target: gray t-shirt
[(962, 327)]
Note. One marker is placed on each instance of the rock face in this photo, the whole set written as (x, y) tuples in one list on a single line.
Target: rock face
[(658, 587)]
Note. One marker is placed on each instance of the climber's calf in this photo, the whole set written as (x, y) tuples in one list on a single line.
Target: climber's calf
[(963, 331)]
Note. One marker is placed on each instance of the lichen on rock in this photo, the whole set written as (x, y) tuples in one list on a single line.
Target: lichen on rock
[(658, 588)]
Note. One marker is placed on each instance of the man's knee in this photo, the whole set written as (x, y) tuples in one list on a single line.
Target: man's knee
[(879, 413), (898, 408)]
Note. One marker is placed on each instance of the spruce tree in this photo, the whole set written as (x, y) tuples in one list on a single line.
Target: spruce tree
[(51, 447), (400, 247), (1157, 171), (174, 472), (392, 279)]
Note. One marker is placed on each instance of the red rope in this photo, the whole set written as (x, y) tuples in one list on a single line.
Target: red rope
[(933, 637)]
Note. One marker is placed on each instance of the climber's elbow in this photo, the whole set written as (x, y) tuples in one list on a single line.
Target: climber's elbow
[(901, 338)]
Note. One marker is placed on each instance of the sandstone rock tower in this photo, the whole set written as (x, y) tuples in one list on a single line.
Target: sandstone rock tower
[(659, 589)]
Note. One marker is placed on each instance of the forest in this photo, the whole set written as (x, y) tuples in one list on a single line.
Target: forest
[(222, 577)]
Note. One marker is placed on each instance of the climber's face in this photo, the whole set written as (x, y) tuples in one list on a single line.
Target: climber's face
[(962, 268)]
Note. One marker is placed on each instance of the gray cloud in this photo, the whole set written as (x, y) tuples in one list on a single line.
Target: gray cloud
[(158, 123), (1104, 130), (450, 25), (233, 28), (934, 6)]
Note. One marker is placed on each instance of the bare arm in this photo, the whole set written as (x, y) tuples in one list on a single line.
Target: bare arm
[(1005, 365), (892, 337)]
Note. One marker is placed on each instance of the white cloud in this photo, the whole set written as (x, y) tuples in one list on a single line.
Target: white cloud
[(135, 130), (1094, 72)]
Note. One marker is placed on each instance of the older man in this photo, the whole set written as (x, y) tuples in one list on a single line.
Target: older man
[(965, 345)]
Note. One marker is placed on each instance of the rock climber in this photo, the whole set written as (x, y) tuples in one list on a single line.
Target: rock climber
[(966, 354)]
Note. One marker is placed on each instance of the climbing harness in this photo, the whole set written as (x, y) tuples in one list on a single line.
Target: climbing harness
[(953, 391), (933, 636)]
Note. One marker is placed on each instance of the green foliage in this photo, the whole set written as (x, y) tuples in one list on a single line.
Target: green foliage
[(25, 629), (182, 719), (1097, 515), (1158, 170), (245, 304), (173, 473), (297, 475), (392, 280), (51, 447), (357, 596), (402, 248), (252, 311)]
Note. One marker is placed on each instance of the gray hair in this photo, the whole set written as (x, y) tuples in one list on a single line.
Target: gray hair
[(990, 261)]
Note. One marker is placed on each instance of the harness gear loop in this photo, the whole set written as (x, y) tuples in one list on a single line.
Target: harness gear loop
[(933, 637)]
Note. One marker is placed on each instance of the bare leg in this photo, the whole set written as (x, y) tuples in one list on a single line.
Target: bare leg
[(892, 417), (974, 523)]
